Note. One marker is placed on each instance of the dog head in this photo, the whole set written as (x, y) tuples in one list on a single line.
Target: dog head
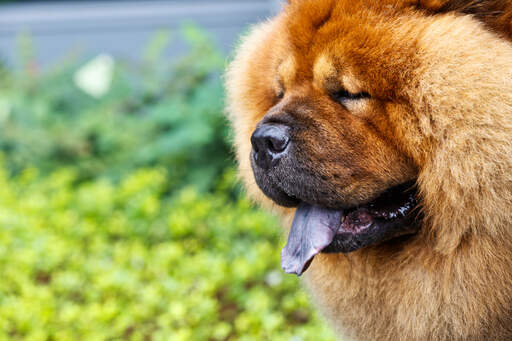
[(341, 108)]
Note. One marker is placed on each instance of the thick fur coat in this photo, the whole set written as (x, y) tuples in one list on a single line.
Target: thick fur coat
[(440, 77)]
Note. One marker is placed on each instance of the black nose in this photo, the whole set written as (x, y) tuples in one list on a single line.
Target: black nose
[(269, 144)]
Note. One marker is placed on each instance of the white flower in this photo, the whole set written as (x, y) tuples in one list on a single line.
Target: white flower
[(95, 77)]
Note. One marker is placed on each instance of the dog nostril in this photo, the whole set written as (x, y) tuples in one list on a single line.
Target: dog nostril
[(270, 137), (269, 143), (255, 147), (278, 143)]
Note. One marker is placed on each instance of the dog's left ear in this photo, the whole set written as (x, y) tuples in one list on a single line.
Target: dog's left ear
[(496, 14)]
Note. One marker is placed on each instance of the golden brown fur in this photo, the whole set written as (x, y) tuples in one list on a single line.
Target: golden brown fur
[(440, 75)]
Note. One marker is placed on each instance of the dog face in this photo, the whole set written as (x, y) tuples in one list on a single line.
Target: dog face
[(337, 101), (324, 137), (327, 137)]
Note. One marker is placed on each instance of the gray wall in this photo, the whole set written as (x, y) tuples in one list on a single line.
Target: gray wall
[(121, 28)]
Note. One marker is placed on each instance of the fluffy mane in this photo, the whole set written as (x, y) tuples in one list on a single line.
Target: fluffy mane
[(454, 279)]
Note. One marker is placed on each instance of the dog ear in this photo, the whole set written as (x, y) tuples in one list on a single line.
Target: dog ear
[(496, 14)]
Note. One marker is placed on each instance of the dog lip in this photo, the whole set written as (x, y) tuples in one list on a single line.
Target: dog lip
[(317, 229), (271, 188)]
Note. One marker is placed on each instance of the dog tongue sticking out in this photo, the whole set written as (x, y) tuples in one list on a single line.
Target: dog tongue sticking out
[(313, 229), (316, 229)]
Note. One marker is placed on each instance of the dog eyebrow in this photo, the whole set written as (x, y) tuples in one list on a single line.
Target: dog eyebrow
[(323, 67), (327, 75), (286, 69)]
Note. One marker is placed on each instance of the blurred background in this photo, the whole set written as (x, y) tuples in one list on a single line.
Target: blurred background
[(120, 214)]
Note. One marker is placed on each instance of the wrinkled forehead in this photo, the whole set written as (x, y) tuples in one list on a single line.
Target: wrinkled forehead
[(333, 39)]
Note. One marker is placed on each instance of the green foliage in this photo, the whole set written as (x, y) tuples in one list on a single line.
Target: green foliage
[(161, 112), (99, 261), (119, 215)]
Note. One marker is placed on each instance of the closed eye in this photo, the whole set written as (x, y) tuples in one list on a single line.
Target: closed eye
[(280, 90), (343, 96)]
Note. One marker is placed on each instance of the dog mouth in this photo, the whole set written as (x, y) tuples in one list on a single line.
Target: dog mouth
[(318, 229)]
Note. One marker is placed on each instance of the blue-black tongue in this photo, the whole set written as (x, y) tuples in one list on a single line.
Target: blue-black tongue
[(313, 229)]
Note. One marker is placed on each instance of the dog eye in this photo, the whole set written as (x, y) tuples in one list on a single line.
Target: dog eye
[(343, 96), (280, 89)]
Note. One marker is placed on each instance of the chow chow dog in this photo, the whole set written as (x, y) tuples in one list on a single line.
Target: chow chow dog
[(381, 131)]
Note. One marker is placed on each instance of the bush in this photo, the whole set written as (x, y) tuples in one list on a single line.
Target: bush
[(99, 261), (159, 112), (127, 224)]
